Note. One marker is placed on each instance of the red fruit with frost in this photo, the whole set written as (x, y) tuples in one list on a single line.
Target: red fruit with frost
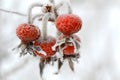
[(69, 49), (46, 46), (27, 33), (68, 23)]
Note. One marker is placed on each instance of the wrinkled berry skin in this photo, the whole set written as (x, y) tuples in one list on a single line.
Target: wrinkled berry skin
[(46, 46), (68, 23), (27, 33)]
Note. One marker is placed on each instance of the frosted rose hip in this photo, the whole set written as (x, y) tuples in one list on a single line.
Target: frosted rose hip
[(27, 32), (46, 46), (68, 23), (69, 49)]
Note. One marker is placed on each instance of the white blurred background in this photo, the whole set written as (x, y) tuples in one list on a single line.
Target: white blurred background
[(100, 36)]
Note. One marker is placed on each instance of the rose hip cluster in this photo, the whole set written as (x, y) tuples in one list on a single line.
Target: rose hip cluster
[(48, 48), (68, 43)]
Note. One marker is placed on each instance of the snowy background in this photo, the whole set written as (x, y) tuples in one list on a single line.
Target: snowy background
[(100, 36)]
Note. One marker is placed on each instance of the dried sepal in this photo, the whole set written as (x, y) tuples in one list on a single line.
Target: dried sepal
[(71, 64), (60, 63), (41, 66)]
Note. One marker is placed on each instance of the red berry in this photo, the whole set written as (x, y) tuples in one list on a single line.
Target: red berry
[(68, 23), (69, 49), (28, 32), (46, 46)]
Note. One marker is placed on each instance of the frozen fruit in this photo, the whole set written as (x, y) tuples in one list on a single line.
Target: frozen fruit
[(27, 32), (69, 48), (46, 46), (68, 23)]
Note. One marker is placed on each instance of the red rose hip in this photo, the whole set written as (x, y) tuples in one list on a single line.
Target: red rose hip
[(27, 33), (69, 49), (46, 46), (68, 23)]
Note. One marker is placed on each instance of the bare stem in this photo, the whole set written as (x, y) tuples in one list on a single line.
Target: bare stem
[(44, 24), (30, 11), (13, 12)]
